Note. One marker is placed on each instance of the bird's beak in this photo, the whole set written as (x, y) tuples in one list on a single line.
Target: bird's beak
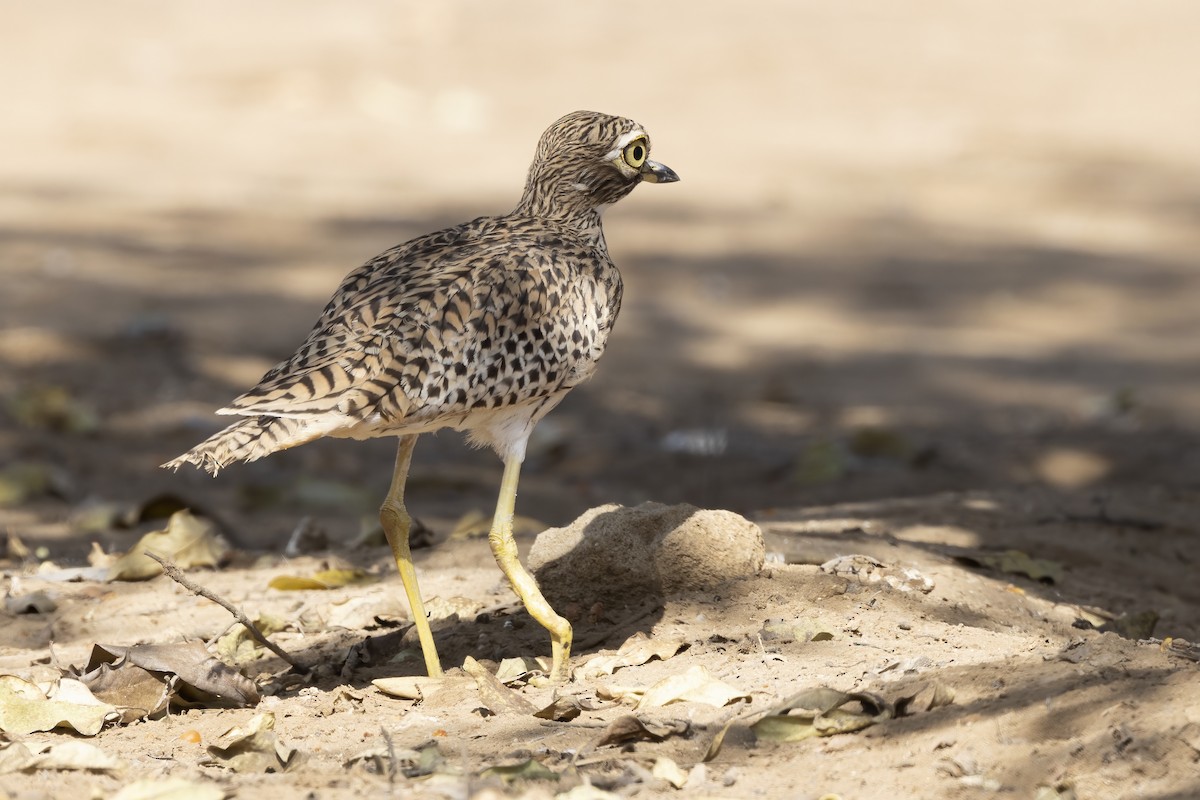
[(654, 172)]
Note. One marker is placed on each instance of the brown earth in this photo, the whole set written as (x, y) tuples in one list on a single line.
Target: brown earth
[(927, 290)]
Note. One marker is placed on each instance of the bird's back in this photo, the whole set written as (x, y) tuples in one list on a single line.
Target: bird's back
[(486, 315)]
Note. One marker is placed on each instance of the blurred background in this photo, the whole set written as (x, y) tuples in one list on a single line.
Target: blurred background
[(916, 247)]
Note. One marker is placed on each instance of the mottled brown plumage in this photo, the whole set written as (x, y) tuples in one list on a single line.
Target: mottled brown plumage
[(482, 327)]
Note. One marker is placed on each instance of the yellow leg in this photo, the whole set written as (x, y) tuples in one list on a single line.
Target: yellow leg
[(396, 526), (504, 547)]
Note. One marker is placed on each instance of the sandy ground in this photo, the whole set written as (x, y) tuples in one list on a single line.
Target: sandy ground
[(927, 290)]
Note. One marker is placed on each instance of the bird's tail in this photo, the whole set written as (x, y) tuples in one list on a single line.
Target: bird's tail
[(249, 440)]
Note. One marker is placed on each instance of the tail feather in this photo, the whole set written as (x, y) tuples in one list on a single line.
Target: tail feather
[(249, 440)]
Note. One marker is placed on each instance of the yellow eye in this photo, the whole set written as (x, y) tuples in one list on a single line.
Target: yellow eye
[(635, 153)]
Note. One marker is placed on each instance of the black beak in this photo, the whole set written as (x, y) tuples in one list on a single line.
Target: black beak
[(654, 172)]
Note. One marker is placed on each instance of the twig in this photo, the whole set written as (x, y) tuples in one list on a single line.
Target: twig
[(174, 573)]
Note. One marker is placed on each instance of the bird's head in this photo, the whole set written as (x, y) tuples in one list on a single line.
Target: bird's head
[(586, 161)]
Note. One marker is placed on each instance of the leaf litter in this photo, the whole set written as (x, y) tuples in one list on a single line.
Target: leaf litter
[(26, 708), (187, 541), (189, 675), (696, 685), (253, 748)]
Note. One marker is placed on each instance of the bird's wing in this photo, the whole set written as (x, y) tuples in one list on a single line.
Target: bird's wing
[(442, 325), (351, 346)]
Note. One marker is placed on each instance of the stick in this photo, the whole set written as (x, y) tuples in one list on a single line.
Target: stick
[(174, 573)]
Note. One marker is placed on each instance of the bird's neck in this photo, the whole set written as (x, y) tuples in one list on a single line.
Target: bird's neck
[(580, 218)]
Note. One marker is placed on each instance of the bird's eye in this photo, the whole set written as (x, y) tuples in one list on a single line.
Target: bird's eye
[(635, 153)]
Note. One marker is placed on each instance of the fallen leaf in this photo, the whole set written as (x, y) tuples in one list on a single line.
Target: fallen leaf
[(819, 712), (666, 769), (14, 757), (529, 770), (380, 606), (25, 709), (563, 709), (416, 687), (188, 541), (1015, 562), (170, 789), (630, 728), (714, 747), (637, 650), (238, 645), (202, 679), (696, 685), (796, 630), (586, 791), (253, 748), (327, 579), (498, 698), (137, 693), (73, 755), (942, 695), (518, 668), (856, 565)]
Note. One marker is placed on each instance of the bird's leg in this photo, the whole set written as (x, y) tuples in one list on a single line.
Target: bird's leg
[(504, 547), (396, 526)]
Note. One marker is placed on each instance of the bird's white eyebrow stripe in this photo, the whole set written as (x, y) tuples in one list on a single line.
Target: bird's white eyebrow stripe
[(636, 133)]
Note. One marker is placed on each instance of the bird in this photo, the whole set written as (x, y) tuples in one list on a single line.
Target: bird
[(482, 327)]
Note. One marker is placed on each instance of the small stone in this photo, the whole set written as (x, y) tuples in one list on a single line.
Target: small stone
[(613, 553)]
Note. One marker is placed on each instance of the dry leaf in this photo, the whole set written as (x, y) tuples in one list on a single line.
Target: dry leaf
[(170, 789), (529, 770), (498, 698), (586, 791), (667, 770), (136, 692), (635, 651), (800, 629), (238, 645), (630, 728), (714, 747), (696, 685), (14, 757), (416, 687), (25, 709), (253, 748), (202, 680), (327, 579), (563, 709), (374, 608), (819, 712), (74, 755), (518, 668), (188, 541), (942, 695)]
